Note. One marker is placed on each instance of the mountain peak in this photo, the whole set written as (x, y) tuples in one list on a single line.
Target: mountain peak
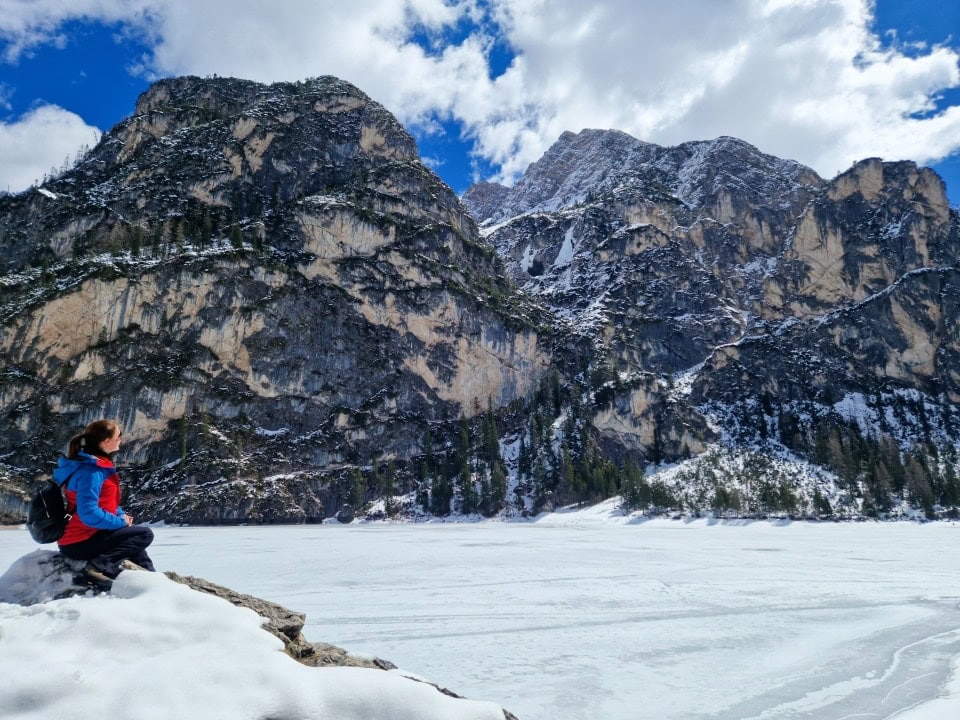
[(576, 165), (227, 94), (595, 163)]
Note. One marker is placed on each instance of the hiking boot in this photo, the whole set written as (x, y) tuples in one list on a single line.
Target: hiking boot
[(91, 580), (94, 573)]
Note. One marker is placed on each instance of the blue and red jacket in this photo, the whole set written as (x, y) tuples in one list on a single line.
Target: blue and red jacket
[(93, 489)]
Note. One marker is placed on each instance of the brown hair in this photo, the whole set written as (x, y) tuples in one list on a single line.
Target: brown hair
[(91, 437)]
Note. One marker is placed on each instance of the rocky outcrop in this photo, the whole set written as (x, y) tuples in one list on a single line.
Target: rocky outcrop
[(44, 575), (287, 625)]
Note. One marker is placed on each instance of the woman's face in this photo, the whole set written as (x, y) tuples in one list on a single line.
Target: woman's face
[(111, 445)]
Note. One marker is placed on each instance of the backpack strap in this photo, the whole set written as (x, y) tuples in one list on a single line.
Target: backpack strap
[(68, 515)]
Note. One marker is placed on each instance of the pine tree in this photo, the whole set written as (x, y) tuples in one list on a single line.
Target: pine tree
[(468, 495), (523, 458), (468, 492), (423, 495), (822, 451), (491, 437), (539, 479), (358, 489), (441, 492), (156, 237), (498, 489), (206, 229), (556, 393), (635, 491), (568, 475), (821, 505), (919, 491), (950, 495), (136, 240), (656, 451), (881, 486)]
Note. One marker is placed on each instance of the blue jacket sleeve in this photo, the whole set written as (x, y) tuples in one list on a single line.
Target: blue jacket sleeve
[(88, 503)]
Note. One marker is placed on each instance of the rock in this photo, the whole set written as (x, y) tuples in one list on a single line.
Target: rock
[(40, 576), (287, 625), (346, 514)]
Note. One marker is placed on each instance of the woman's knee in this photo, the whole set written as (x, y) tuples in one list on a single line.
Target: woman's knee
[(146, 533)]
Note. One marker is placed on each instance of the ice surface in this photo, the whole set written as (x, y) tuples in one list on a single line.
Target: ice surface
[(592, 615)]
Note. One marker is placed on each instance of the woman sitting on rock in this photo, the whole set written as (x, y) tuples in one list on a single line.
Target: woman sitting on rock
[(99, 532)]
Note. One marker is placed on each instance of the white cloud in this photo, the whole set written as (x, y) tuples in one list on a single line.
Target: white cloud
[(39, 141), (803, 79), (25, 24)]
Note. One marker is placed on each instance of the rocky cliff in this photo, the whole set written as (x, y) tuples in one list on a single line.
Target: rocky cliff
[(258, 282)]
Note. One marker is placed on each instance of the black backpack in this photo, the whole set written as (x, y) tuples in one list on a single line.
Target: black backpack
[(47, 513)]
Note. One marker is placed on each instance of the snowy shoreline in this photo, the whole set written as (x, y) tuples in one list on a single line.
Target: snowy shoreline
[(580, 618)]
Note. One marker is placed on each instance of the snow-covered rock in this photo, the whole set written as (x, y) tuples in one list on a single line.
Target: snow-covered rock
[(156, 648)]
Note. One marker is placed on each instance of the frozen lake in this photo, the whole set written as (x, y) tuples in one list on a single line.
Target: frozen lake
[(570, 618)]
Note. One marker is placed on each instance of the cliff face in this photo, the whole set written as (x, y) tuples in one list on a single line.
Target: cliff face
[(262, 279)]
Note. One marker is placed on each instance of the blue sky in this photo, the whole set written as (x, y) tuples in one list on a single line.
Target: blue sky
[(486, 86)]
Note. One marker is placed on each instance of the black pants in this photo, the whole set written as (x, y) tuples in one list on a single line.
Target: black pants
[(108, 548)]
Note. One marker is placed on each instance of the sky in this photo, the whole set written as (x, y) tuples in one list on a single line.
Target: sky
[(486, 86)]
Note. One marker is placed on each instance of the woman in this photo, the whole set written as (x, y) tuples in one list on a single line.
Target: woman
[(99, 532)]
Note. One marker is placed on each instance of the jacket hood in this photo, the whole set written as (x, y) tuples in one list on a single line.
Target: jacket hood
[(66, 466)]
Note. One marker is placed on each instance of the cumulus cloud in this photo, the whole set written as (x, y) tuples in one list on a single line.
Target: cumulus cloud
[(40, 141), (25, 24), (804, 79)]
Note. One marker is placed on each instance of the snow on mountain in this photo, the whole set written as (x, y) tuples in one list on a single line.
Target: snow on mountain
[(593, 163)]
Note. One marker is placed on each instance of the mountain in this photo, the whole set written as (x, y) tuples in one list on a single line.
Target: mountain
[(265, 286), (289, 313), (739, 299)]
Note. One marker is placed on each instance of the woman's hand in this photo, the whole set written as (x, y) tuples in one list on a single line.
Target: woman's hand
[(128, 519)]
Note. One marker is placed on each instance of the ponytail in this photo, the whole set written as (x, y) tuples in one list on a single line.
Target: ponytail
[(89, 440)]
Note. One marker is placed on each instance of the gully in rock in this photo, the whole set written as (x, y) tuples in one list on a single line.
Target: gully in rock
[(99, 532)]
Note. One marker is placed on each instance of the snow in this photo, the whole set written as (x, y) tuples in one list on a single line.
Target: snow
[(528, 256), (565, 256), (264, 432), (153, 648), (47, 193), (684, 380), (582, 613)]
